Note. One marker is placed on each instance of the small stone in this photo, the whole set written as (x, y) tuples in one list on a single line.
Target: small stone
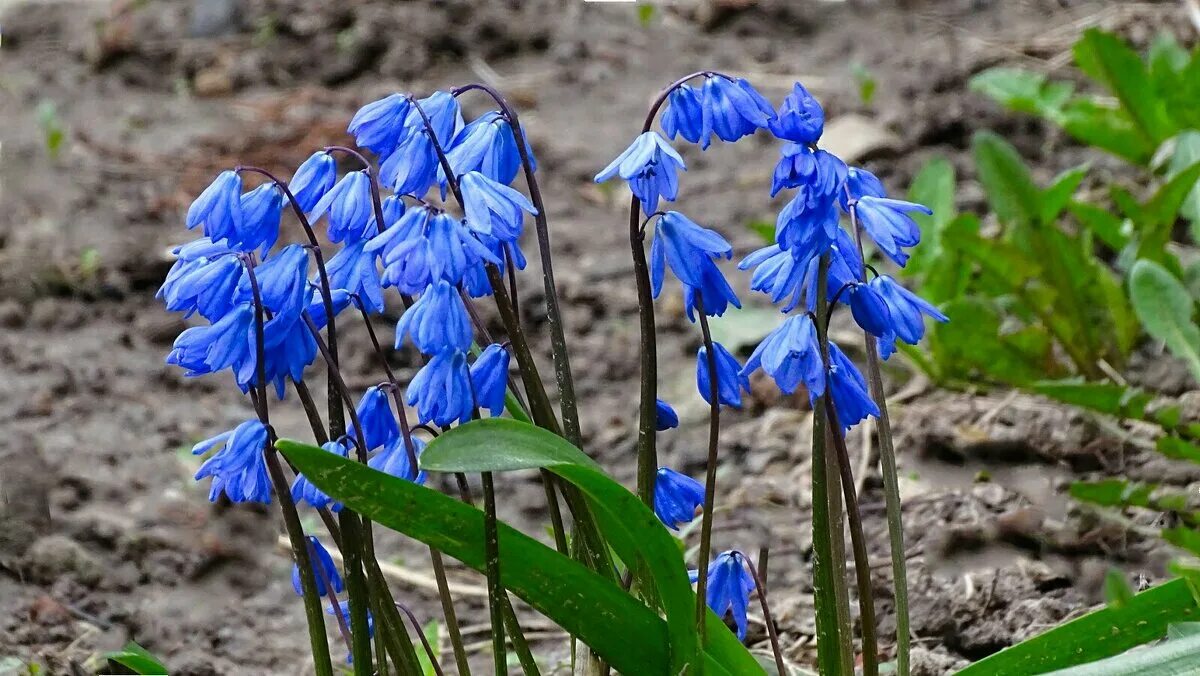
[(213, 81), (55, 556), (856, 138)]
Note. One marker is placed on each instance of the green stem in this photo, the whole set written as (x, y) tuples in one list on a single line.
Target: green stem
[(491, 543), (710, 476), (456, 642), (517, 637), (356, 587)]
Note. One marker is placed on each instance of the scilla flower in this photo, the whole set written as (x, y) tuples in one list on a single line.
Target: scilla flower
[(379, 423), (437, 322), (869, 309), (426, 246), (733, 109), (689, 250), (343, 609), (906, 309), (848, 389), (441, 390), (489, 379), (676, 497), (730, 381), (227, 343), (665, 417), (394, 460), (791, 355), (820, 174), (323, 569), (282, 282), (800, 118), (862, 183), (887, 221), (219, 207), (238, 468), (288, 349), (807, 229), (204, 284), (486, 145), (261, 211), (493, 208), (313, 178), (729, 587), (412, 167), (651, 166), (349, 207), (684, 115), (316, 307), (379, 124), (303, 491), (354, 270)]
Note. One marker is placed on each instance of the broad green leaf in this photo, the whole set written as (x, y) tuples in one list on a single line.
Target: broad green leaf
[(1117, 592), (1108, 59), (1112, 493), (1022, 90), (1180, 90), (499, 445), (621, 630), (976, 344), (1172, 658), (933, 186), (1178, 449), (1099, 634), (1010, 189), (136, 658), (1165, 310), (1110, 129), (1187, 154), (1056, 197), (947, 275), (1115, 400)]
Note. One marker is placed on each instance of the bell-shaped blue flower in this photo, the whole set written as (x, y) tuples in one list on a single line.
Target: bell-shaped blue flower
[(313, 178), (729, 587), (289, 348), (869, 310), (282, 282), (393, 208), (261, 212), (780, 273), (343, 609), (316, 307), (689, 250), (437, 322), (486, 145), (379, 124), (227, 343), (219, 207), (489, 379), (665, 417), (238, 468), (354, 270), (441, 390), (730, 381), (651, 166), (394, 459), (733, 109), (439, 247), (323, 569), (676, 497), (907, 311), (848, 389), (374, 411), (889, 224), (204, 284), (800, 118), (820, 175), (349, 207), (493, 208), (791, 355), (684, 115), (862, 183), (413, 166), (303, 491)]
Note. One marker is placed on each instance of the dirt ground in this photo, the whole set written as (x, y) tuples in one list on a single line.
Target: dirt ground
[(105, 537)]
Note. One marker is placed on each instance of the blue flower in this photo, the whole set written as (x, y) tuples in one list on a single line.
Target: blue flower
[(489, 379), (431, 246), (437, 322), (323, 569), (848, 389), (862, 183), (729, 587), (665, 417), (227, 343), (906, 309), (869, 310), (441, 390), (394, 460), (282, 282), (791, 272), (684, 115), (393, 208), (238, 468), (303, 491), (887, 221), (316, 307), (486, 145), (204, 284), (379, 124), (733, 109), (343, 609), (288, 348), (313, 179), (261, 211), (800, 118), (353, 269), (492, 208), (378, 422), (791, 355), (730, 382), (219, 207), (820, 174), (349, 207), (676, 497), (689, 250), (650, 165), (411, 168), (807, 230)]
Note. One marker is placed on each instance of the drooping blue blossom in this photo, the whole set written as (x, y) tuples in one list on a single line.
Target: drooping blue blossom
[(791, 355), (203, 283), (486, 145), (303, 491), (393, 208), (820, 174), (261, 212), (676, 497), (226, 343), (437, 321), (282, 281), (238, 468), (848, 389), (730, 381), (906, 309), (394, 459), (889, 224), (729, 587), (411, 168), (800, 118), (379, 124), (323, 569), (684, 115), (374, 411), (651, 166), (862, 183), (780, 273), (354, 270), (493, 208), (441, 390), (343, 609), (313, 178), (349, 207), (427, 246), (316, 307), (489, 379), (869, 309), (665, 417), (219, 207), (289, 348), (690, 250), (732, 109)]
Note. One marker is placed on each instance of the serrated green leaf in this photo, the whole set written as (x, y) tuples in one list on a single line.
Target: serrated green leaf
[(1006, 181), (1105, 225), (976, 345), (1165, 310)]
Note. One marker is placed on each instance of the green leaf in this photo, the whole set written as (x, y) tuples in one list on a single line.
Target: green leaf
[(1183, 630), (1111, 129), (976, 344), (1115, 400), (1104, 224), (1177, 449), (1187, 154), (499, 445), (1184, 538), (1165, 310), (1162, 209), (933, 186), (1113, 493), (1117, 592), (431, 631), (1023, 91), (136, 658), (1113, 63), (1172, 658), (947, 273), (1099, 634), (1010, 189), (621, 630), (764, 229), (1056, 197)]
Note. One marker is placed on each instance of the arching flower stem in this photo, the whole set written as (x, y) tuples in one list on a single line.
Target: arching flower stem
[(710, 475)]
